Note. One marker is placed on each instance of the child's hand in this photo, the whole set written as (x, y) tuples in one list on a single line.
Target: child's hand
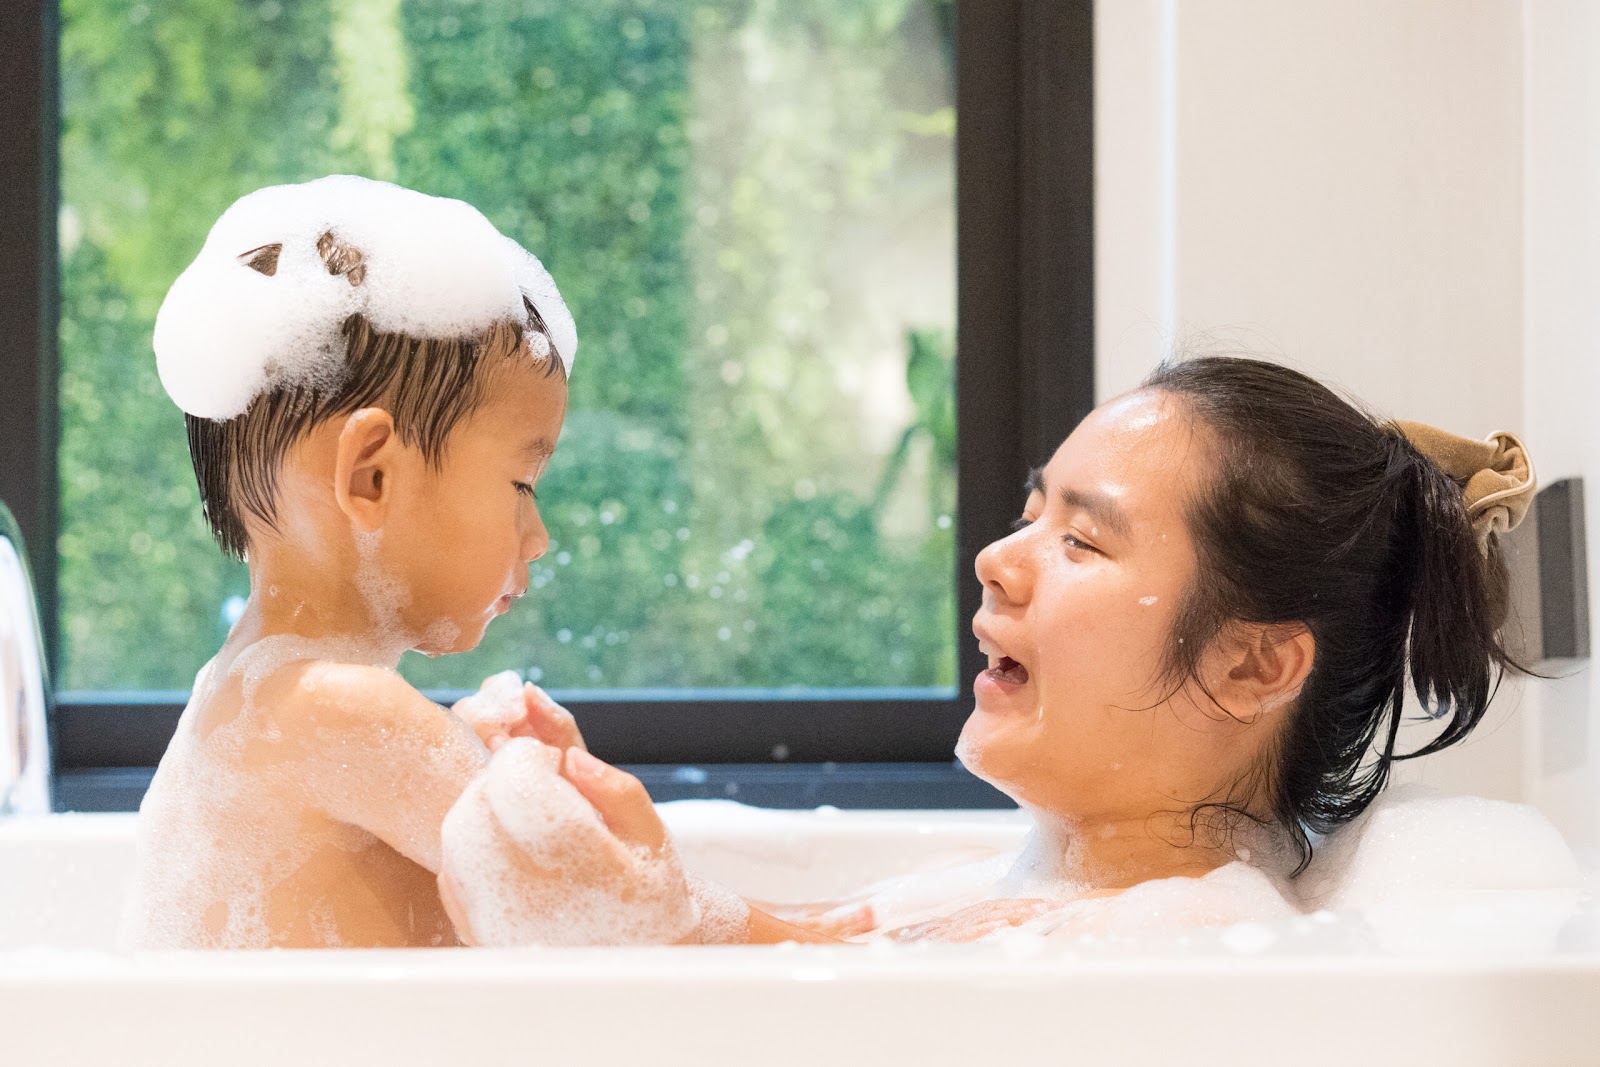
[(553, 847), (505, 707)]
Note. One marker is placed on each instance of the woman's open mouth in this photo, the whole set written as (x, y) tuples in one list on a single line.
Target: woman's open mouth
[(1007, 671), (1004, 672)]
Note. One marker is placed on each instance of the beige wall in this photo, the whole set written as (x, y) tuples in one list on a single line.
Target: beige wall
[(1341, 184)]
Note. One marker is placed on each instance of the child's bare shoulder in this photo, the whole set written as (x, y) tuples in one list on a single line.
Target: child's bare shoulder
[(366, 749), (330, 695)]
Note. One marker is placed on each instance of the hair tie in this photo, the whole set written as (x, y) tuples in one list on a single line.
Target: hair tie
[(1496, 474)]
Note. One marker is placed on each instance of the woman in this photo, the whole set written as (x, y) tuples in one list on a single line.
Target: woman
[(1200, 636)]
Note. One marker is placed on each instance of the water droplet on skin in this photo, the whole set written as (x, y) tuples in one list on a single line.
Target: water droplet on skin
[(1148, 600)]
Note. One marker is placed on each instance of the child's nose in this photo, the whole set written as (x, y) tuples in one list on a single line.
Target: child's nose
[(535, 539), (1002, 568)]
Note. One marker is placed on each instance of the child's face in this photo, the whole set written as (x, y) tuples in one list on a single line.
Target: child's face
[(460, 537)]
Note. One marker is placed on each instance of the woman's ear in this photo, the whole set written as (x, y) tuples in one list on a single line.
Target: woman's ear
[(1270, 668), (364, 466)]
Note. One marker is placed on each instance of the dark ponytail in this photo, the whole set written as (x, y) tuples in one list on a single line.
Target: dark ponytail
[(1321, 515), (1459, 598)]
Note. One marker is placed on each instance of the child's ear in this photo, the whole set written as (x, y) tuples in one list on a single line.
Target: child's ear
[(364, 466)]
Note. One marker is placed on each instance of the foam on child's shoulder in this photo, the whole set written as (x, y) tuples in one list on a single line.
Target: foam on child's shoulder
[(260, 308)]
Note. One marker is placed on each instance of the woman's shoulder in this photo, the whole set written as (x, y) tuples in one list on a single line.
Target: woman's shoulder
[(1235, 892)]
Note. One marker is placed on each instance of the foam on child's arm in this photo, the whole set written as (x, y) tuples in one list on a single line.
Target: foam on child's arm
[(533, 863)]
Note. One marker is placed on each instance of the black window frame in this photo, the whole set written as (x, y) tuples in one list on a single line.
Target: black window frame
[(1024, 377)]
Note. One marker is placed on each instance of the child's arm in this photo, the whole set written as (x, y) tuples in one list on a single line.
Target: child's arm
[(375, 753), (625, 808)]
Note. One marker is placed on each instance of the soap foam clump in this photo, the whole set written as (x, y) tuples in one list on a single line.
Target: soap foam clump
[(584, 888), (1415, 840), (724, 915), (1234, 894), (1429, 872), (430, 267), (498, 704)]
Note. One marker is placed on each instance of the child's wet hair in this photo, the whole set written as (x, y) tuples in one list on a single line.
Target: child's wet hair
[(1317, 514), (428, 385)]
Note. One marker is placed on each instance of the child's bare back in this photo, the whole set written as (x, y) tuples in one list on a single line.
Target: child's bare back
[(299, 806)]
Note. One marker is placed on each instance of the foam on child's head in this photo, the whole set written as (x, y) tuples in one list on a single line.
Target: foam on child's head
[(260, 307)]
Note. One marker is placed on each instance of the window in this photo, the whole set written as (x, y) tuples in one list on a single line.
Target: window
[(760, 549)]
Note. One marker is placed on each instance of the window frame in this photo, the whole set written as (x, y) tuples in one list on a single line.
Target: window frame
[(1024, 377)]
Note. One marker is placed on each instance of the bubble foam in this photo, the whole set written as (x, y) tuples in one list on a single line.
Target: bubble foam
[(497, 705), (533, 864), (259, 308)]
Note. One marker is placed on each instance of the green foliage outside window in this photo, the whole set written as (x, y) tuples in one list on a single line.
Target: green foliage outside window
[(748, 205)]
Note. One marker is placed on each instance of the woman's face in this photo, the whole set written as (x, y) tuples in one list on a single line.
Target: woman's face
[(1078, 607)]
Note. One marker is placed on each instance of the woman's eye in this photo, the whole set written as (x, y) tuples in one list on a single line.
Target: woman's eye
[(1072, 542), (526, 489), (1020, 524)]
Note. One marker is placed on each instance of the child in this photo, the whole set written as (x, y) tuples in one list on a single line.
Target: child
[(374, 381)]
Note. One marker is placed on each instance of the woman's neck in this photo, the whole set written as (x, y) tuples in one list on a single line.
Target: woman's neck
[(1079, 856)]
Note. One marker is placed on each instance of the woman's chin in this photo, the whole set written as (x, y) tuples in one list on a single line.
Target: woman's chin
[(999, 745), (977, 748)]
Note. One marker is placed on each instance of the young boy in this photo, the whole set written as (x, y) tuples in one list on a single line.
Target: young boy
[(374, 381)]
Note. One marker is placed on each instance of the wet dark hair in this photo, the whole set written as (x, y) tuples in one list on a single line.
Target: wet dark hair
[(1320, 515), (428, 385)]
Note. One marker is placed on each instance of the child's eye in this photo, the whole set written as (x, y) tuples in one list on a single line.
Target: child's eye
[(1072, 542)]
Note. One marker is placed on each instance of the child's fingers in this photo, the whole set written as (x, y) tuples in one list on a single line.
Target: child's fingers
[(618, 796), (549, 721)]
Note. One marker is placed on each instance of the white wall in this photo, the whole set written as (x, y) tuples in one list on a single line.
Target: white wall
[(1341, 184), (1561, 343)]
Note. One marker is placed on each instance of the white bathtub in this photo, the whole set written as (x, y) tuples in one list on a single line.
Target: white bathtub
[(66, 998)]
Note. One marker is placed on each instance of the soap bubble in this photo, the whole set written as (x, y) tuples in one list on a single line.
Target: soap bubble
[(259, 307)]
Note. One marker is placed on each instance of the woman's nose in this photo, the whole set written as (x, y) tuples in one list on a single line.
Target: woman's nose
[(1002, 568)]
